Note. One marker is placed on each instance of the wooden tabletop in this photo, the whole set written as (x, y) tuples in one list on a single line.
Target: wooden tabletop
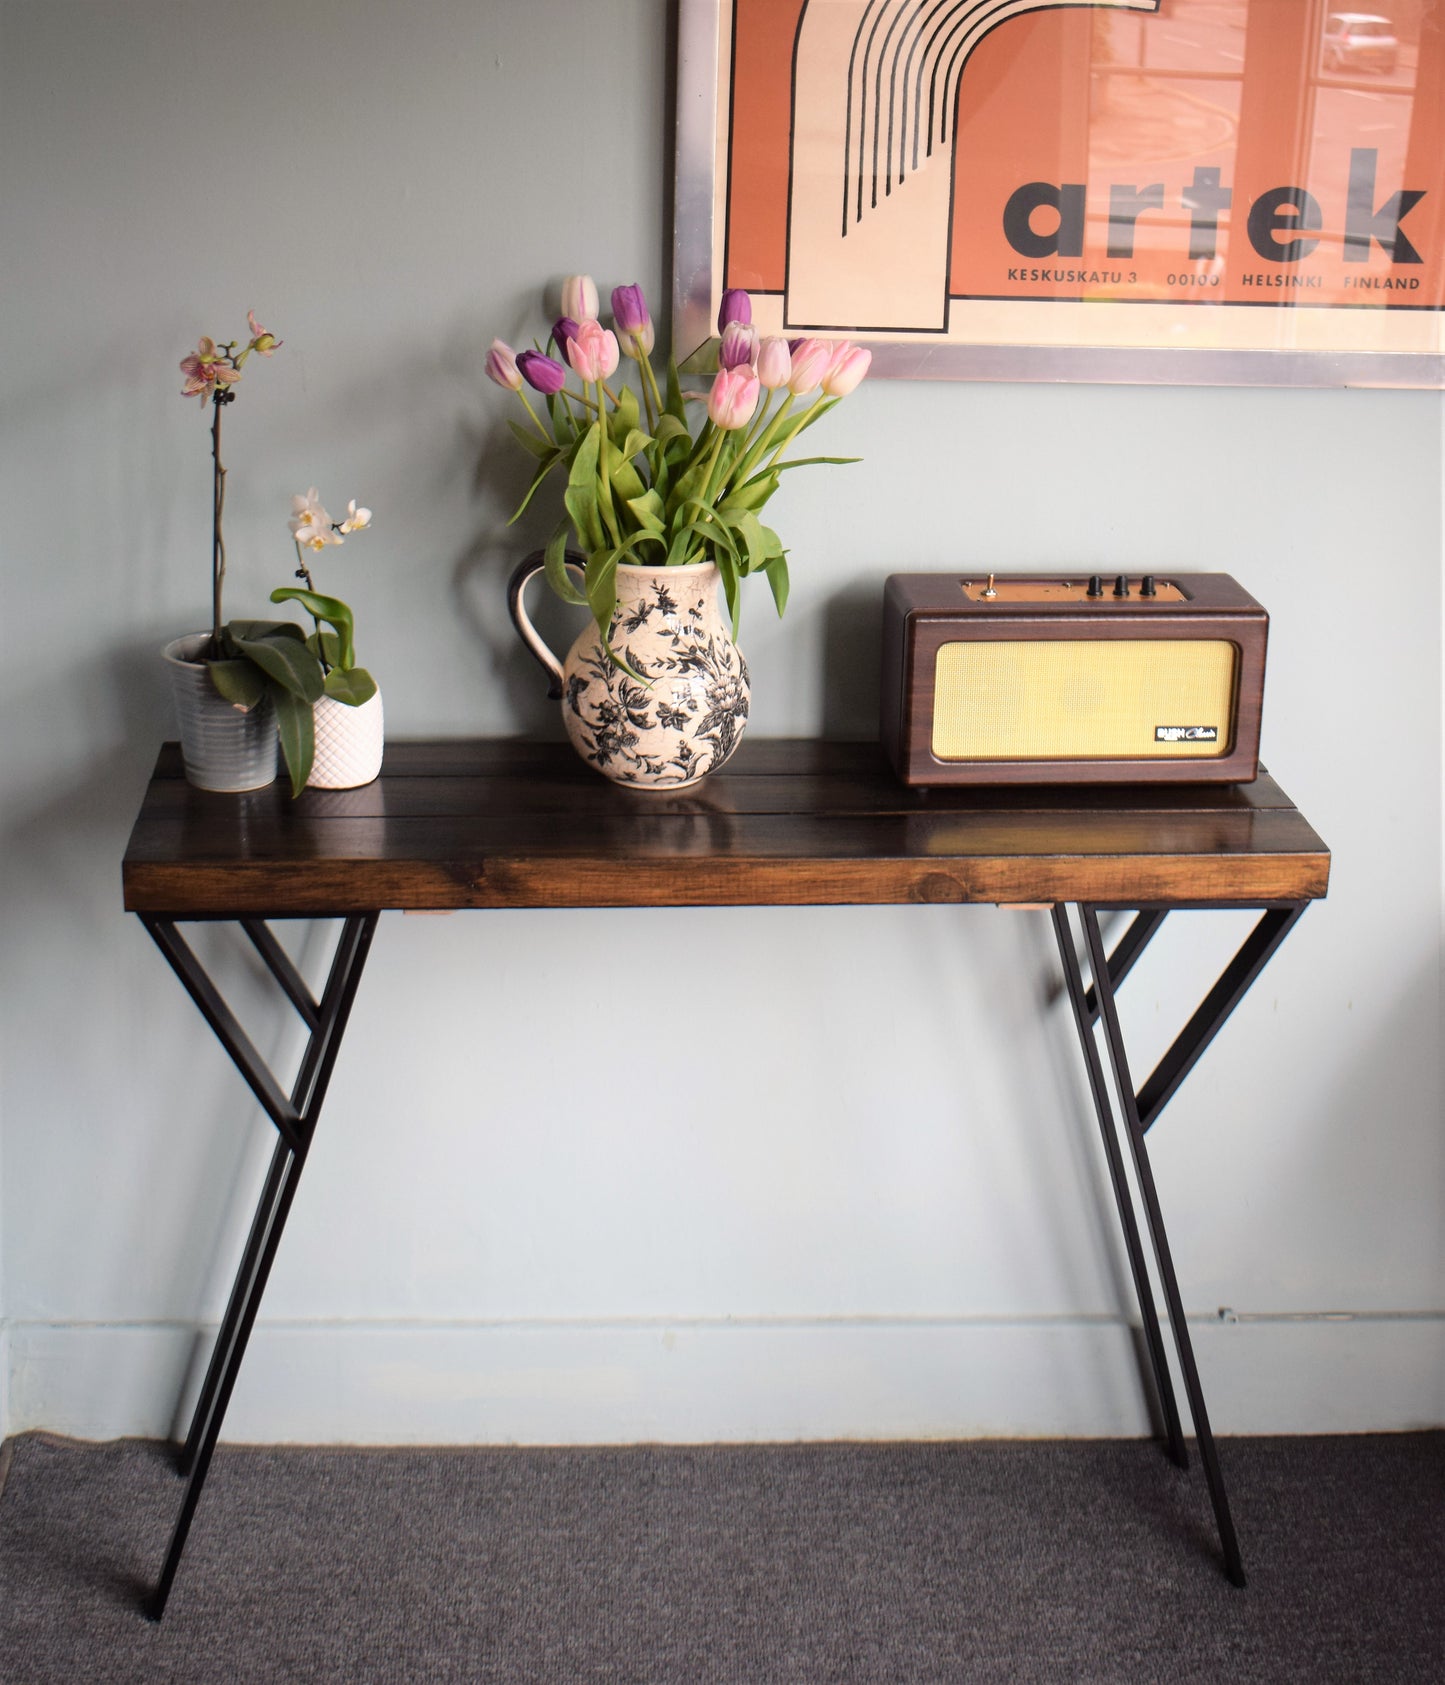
[(788, 822)]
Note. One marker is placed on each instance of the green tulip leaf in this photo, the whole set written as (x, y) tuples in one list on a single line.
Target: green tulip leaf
[(530, 440), (581, 496), (554, 560), (777, 572), (624, 417), (241, 684), (351, 685), (648, 512), (296, 726)]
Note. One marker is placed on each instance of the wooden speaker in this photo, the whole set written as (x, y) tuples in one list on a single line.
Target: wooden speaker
[(1042, 679)]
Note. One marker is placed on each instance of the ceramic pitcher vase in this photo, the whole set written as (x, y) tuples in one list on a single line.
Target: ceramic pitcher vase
[(671, 630)]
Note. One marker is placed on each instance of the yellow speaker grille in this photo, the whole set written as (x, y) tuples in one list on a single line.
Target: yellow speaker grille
[(1073, 698)]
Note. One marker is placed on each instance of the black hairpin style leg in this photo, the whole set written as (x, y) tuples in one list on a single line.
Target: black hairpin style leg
[(1139, 1110), (295, 1120), (1084, 1012)]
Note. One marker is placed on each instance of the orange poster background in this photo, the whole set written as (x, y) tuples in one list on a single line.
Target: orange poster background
[(1043, 99)]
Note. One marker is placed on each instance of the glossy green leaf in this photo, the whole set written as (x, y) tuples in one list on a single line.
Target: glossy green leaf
[(239, 682), (287, 662), (351, 685), (330, 609), (296, 726)]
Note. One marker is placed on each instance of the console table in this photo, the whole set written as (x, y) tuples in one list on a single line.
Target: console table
[(503, 823)]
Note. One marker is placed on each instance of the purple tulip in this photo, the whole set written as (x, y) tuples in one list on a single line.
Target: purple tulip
[(631, 320), (736, 306), (739, 345), (541, 373), (563, 329)]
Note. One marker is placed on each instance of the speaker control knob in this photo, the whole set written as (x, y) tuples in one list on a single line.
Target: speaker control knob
[(1146, 586), (1096, 585), (1121, 585)]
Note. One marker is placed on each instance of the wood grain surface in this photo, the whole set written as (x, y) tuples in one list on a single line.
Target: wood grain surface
[(506, 823)]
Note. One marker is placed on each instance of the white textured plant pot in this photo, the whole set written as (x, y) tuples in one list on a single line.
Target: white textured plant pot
[(349, 742), (223, 748), (690, 714)]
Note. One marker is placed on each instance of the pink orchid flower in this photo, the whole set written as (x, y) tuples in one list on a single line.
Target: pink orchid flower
[(205, 369)]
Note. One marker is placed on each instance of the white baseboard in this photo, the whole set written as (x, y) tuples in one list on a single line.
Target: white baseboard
[(689, 1382)]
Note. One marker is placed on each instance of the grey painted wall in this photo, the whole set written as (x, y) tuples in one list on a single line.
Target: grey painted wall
[(506, 1233)]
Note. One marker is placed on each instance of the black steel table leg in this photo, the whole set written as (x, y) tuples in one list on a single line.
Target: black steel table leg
[(236, 1306), (1153, 1337), (1098, 960), (296, 1123)]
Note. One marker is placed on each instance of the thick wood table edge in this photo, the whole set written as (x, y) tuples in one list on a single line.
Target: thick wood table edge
[(493, 823)]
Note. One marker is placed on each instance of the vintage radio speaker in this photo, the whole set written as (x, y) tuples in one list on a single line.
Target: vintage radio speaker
[(1043, 679)]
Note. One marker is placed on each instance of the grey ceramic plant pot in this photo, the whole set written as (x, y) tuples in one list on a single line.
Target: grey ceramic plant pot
[(223, 748)]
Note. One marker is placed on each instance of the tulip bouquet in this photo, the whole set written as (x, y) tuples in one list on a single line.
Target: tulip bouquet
[(646, 485)]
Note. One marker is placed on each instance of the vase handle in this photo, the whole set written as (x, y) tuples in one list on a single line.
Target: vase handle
[(516, 585)]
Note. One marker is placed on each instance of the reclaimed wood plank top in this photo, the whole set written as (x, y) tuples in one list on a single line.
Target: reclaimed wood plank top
[(788, 822)]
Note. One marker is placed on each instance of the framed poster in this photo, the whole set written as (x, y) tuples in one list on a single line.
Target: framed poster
[(1187, 191)]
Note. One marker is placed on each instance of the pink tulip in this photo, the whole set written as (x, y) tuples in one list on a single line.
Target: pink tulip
[(579, 297), (593, 351), (810, 362), (847, 366), (502, 366), (739, 345), (733, 398), (774, 363)]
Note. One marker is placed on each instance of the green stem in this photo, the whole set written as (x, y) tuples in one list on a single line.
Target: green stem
[(604, 473), (536, 421)]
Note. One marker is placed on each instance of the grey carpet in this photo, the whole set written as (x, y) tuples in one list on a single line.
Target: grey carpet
[(1069, 1561)]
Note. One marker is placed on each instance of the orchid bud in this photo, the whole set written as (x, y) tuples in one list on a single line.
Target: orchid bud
[(810, 362), (502, 366), (262, 339), (733, 398), (541, 372), (736, 306), (563, 329), (579, 297), (739, 345), (592, 351), (774, 363), (848, 365), (632, 322)]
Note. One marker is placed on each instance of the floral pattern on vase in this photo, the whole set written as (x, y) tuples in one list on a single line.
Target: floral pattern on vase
[(690, 714)]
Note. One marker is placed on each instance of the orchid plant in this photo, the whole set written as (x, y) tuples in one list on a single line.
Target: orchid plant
[(250, 659), (644, 483)]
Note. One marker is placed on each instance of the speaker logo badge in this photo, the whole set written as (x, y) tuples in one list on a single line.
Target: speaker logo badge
[(1186, 733)]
